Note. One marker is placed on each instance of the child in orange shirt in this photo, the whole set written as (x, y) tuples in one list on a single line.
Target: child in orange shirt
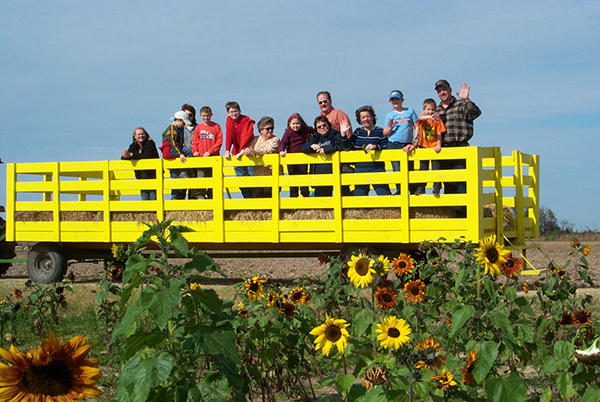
[(431, 137)]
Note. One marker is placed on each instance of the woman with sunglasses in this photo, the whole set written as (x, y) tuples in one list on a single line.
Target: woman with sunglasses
[(324, 141), (265, 143)]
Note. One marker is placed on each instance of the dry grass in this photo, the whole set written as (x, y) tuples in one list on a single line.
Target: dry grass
[(260, 215)]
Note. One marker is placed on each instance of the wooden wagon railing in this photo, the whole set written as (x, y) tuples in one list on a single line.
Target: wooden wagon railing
[(98, 201)]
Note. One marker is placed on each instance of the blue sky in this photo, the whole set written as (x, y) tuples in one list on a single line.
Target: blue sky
[(76, 77)]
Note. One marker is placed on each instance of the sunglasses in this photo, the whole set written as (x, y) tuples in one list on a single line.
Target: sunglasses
[(323, 101), (268, 128), (323, 126)]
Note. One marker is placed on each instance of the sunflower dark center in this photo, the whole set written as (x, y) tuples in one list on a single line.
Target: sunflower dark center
[(51, 379), (386, 297), (414, 290), (362, 266), (492, 255), (510, 263), (333, 333), (393, 332), (402, 264), (254, 287), (296, 295)]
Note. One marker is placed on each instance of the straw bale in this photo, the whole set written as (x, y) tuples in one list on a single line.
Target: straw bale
[(307, 214), (490, 211), (190, 216), (33, 216), (82, 216), (255, 215), (372, 213), (133, 216), (432, 213)]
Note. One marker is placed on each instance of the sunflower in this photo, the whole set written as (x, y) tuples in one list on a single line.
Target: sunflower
[(586, 250), (254, 288), (414, 290), (467, 377), (393, 332), (526, 287), (552, 267), (491, 255), (403, 265), (195, 286), (361, 270), (382, 265), (582, 317), (575, 244), (115, 272), (375, 376), (567, 319), (385, 298), (71, 276), (287, 309), (56, 371), (17, 293), (299, 296), (512, 266), (561, 273), (323, 259), (272, 299), (445, 379), (428, 357), (333, 331), (242, 312)]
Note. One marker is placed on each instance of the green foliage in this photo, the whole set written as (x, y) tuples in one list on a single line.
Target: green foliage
[(43, 303), (173, 333), (473, 337)]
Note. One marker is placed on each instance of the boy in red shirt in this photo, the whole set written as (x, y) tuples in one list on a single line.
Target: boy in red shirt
[(431, 137), (239, 130), (207, 141)]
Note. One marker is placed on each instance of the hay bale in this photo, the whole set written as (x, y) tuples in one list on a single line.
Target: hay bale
[(82, 216), (249, 216), (33, 216), (133, 217), (371, 213), (190, 216), (432, 213), (306, 214), (490, 211)]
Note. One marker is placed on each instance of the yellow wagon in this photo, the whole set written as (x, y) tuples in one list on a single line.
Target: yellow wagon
[(77, 210)]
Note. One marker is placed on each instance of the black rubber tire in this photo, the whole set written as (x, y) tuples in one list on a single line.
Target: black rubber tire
[(46, 264)]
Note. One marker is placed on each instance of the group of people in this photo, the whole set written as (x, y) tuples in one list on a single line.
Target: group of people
[(447, 124)]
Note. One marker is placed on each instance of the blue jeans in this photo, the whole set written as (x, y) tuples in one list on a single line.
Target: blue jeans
[(179, 194), (424, 165), (396, 165), (459, 187), (363, 189), (245, 171)]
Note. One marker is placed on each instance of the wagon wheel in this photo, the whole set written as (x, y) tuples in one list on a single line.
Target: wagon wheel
[(46, 263)]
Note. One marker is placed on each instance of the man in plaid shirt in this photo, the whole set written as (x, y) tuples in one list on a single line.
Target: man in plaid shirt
[(458, 116)]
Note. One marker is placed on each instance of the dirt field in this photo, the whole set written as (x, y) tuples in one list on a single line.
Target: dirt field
[(287, 269)]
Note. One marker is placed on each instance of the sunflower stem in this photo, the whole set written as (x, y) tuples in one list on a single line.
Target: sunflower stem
[(478, 298)]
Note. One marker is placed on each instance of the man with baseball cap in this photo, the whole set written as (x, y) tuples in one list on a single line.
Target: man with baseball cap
[(457, 115)]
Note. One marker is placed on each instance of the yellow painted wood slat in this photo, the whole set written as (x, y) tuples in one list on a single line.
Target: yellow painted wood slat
[(305, 226), (11, 201), (34, 187)]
